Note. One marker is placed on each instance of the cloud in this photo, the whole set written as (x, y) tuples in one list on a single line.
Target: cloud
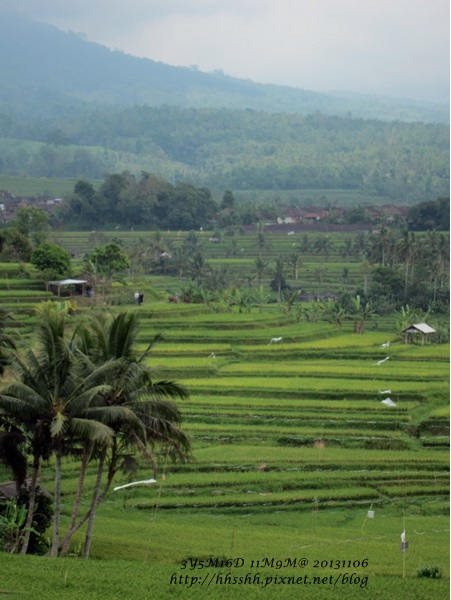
[(396, 47)]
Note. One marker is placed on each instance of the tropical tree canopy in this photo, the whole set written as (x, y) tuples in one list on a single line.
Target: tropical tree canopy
[(82, 388)]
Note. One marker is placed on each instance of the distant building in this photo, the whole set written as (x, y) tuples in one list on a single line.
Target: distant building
[(292, 214), (313, 217)]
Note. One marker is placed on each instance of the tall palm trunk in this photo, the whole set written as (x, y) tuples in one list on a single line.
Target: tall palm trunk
[(31, 502), (56, 506), (76, 506), (94, 504)]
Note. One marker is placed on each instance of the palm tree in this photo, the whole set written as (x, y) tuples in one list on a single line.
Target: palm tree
[(198, 266), (178, 262), (260, 268), (304, 246), (294, 259), (360, 245), (278, 282), (365, 268), (262, 241), (323, 244), (139, 409), (407, 251), (49, 399)]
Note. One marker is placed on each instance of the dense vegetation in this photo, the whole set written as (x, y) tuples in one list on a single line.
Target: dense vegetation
[(239, 150), (150, 202), (389, 267)]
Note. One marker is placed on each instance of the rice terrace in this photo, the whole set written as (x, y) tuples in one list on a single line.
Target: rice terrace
[(319, 434)]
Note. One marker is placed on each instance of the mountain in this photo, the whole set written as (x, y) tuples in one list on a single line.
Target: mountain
[(45, 70)]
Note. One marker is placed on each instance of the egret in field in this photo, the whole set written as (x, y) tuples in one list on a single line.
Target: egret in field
[(384, 391), (275, 339), (388, 402), (380, 362), (143, 482), (212, 355), (386, 345)]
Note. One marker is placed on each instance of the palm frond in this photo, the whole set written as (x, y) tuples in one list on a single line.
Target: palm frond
[(93, 431)]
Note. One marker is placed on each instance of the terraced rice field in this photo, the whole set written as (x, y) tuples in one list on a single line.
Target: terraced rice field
[(292, 447), (302, 420)]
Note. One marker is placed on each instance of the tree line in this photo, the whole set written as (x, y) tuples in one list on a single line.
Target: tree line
[(151, 202)]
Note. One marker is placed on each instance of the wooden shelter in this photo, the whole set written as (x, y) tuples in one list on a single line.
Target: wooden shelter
[(421, 329), (68, 287)]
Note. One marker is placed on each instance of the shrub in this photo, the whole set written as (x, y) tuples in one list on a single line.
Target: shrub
[(430, 572)]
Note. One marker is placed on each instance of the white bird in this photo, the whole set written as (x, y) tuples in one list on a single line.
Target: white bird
[(388, 402), (384, 391), (386, 345), (290, 233), (275, 339), (212, 355), (143, 482), (382, 361)]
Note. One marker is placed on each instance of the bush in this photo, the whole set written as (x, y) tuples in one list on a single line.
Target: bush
[(430, 572)]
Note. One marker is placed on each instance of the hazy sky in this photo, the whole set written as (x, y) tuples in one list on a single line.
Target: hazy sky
[(386, 47)]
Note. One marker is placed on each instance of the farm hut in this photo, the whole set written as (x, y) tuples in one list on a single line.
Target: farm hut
[(67, 287), (421, 329)]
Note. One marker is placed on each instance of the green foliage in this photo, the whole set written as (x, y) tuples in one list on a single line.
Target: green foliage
[(14, 245), (12, 520), (145, 201), (106, 264), (32, 222), (42, 519), (109, 261), (429, 572), (243, 151), (52, 260), (433, 214)]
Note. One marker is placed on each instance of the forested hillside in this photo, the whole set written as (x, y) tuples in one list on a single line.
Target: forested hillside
[(239, 150), (45, 71)]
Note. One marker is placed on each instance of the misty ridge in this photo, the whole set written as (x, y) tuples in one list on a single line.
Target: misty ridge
[(40, 58), (74, 108)]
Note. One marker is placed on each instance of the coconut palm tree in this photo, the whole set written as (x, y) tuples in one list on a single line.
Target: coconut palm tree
[(49, 399), (323, 244), (139, 409), (260, 267), (407, 252), (294, 259)]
